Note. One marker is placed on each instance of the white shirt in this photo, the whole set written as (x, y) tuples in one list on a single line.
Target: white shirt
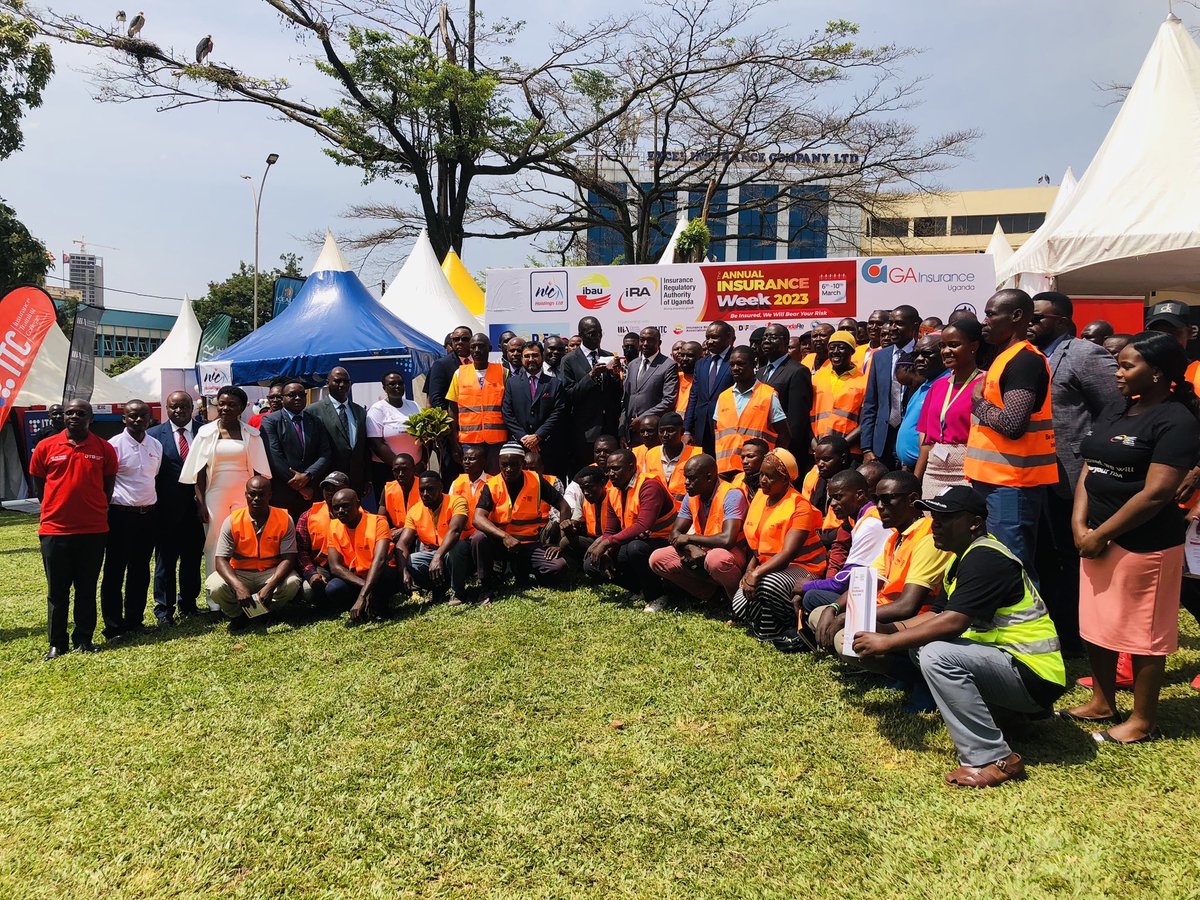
[(574, 497), (351, 425), (391, 423), (137, 464), (866, 541), (895, 414)]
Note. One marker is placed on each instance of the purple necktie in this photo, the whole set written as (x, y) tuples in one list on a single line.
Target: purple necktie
[(299, 431), (532, 387)]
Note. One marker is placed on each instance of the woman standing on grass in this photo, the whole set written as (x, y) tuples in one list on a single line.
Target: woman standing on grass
[(1130, 533), (945, 420)]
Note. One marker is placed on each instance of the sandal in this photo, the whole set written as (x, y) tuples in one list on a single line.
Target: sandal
[(1068, 716), (1103, 737), (1011, 768)]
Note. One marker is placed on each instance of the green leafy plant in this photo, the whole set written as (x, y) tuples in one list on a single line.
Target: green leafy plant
[(692, 245), (429, 425)]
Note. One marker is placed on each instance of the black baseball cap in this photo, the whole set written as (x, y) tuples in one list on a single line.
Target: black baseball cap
[(1171, 311), (337, 480), (957, 499)]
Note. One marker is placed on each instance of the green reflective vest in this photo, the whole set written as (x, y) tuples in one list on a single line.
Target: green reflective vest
[(1023, 629)]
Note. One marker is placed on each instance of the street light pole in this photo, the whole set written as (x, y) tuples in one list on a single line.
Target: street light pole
[(257, 198)]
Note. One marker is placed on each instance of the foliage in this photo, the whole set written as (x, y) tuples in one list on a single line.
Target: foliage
[(23, 258), (692, 245), (429, 425), (235, 296), (25, 70), (122, 364)]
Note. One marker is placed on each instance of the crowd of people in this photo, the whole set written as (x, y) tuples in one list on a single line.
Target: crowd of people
[(1019, 493)]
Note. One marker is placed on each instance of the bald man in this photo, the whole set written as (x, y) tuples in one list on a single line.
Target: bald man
[(180, 536), (256, 560), (346, 424)]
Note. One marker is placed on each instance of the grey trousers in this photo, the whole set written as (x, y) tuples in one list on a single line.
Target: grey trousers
[(967, 680)]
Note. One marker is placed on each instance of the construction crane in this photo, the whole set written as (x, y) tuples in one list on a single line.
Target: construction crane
[(83, 245)]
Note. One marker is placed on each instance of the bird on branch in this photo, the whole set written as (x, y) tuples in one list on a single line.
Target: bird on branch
[(136, 25), (204, 48), (120, 16)]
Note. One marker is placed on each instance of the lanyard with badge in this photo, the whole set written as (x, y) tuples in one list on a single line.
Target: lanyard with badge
[(951, 396)]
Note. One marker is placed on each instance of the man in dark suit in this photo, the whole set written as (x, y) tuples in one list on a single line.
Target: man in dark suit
[(346, 424), (533, 408), (298, 450), (180, 541), (793, 384), (652, 382), (711, 378), (592, 380), (440, 373), (883, 405)]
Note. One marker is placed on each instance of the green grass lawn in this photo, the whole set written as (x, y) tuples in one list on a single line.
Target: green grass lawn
[(550, 745)]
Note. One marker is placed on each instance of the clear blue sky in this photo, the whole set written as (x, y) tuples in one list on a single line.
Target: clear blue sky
[(165, 188)]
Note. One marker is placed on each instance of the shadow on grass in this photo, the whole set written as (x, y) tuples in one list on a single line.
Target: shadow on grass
[(17, 634), (9, 550)]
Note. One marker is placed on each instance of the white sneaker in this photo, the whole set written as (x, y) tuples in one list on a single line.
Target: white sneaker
[(656, 606)]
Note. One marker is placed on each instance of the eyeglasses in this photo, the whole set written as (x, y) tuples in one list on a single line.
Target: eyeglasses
[(930, 354), (1038, 317), (889, 499), (294, 394)]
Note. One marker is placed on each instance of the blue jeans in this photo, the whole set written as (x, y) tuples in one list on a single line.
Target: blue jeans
[(1013, 514)]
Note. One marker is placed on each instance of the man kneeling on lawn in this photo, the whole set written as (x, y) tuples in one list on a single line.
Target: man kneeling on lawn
[(991, 647), (360, 560), (256, 559), (436, 521)]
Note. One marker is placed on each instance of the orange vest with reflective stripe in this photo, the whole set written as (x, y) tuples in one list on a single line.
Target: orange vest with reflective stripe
[(523, 517), (685, 391), (714, 524), (627, 512), (639, 453), (430, 533), (252, 552), (396, 504), (480, 419), (837, 401), (545, 507), (1027, 461), (897, 561), (318, 532), (767, 526), (356, 546), (591, 518), (654, 468), (734, 430), (465, 488), (807, 487)]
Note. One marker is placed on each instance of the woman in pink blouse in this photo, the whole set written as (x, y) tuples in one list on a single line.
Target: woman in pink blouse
[(945, 418)]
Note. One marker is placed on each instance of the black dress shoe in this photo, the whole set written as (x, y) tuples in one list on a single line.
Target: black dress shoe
[(241, 623), (87, 647), (54, 653), (166, 621), (188, 610)]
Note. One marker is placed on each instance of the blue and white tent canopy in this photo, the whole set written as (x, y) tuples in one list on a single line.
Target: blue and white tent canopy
[(331, 319)]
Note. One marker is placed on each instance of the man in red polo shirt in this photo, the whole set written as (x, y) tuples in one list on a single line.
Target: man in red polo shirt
[(73, 472)]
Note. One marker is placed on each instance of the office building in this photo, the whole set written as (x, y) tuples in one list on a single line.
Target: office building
[(86, 275)]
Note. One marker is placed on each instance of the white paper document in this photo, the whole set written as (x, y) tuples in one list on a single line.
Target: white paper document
[(860, 606), (256, 608)]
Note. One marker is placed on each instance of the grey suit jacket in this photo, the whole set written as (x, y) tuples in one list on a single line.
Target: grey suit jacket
[(651, 387), (1083, 388)]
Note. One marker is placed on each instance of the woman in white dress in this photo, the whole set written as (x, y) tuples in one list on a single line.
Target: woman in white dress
[(387, 431), (223, 457)]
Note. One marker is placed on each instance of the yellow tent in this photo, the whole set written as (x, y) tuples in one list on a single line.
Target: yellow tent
[(462, 282)]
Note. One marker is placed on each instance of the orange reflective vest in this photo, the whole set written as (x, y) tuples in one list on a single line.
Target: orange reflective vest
[(522, 517), (807, 487), (898, 559), (431, 533), (251, 551), (1192, 374), (767, 527), (685, 391), (733, 430), (1027, 461), (396, 504), (837, 400), (553, 479), (714, 523), (318, 532), (356, 546), (480, 419), (591, 519), (810, 360), (654, 468), (626, 510), (639, 453), (469, 490)]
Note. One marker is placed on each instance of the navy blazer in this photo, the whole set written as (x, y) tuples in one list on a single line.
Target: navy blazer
[(437, 382), (702, 403), (539, 414), (176, 501), (877, 403), (284, 454)]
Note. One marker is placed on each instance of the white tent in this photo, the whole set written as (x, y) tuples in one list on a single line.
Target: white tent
[(421, 295), (178, 351), (44, 384), (1133, 222), (668, 255), (1001, 251)]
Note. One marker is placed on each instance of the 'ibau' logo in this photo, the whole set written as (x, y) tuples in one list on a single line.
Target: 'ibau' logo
[(874, 271)]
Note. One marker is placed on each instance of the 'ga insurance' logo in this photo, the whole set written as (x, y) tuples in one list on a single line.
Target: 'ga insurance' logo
[(593, 291), (874, 271), (638, 294)]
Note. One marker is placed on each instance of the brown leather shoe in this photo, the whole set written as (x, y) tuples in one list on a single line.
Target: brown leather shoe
[(1011, 768)]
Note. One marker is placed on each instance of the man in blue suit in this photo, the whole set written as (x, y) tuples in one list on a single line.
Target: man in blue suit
[(883, 405), (712, 376), (180, 541)]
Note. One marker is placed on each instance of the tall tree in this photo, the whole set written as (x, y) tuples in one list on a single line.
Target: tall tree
[(23, 258), (428, 97), (235, 296)]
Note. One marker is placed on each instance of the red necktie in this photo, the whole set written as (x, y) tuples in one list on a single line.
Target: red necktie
[(183, 445)]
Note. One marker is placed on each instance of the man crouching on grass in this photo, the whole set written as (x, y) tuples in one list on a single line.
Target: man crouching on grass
[(256, 557), (364, 573)]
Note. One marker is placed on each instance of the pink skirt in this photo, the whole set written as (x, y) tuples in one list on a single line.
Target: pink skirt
[(1129, 602)]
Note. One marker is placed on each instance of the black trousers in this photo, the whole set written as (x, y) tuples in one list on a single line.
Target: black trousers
[(1057, 563), (341, 595), (633, 567), (131, 536), (71, 561), (179, 549)]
